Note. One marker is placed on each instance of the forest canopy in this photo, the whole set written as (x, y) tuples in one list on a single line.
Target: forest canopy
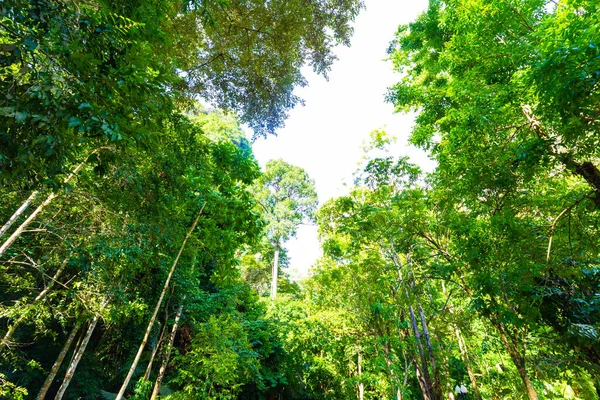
[(142, 248)]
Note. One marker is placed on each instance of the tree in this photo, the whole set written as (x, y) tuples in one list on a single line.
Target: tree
[(288, 198), (247, 56), (511, 121)]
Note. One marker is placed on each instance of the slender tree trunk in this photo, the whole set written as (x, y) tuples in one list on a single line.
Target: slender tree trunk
[(61, 356), (275, 272), (159, 343), (156, 309), (11, 330), (519, 362), (18, 213), (463, 350), (361, 387), (587, 170), (437, 388), (423, 382), (406, 368), (390, 365), (48, 200), (165, 363), (26, 223), (79, 340), (155, 350), (424, 371), (77, 358)]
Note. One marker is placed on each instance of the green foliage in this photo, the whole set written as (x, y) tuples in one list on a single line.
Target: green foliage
[(484, 272), (245, 56), (74, 78), (92, 117), (510, 126), (11, 391), (288, 198), (233, 350), (141, 205)]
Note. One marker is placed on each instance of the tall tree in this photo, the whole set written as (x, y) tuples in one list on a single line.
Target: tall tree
[(288, 198)]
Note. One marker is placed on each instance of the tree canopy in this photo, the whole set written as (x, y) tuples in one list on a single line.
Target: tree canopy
[(138, 229)]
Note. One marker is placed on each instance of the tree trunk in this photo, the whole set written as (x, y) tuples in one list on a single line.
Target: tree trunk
[(18, 213), (11, 239), (11, 330), (77, 358), (154, 351), (427, 393), (406, 370), (156, 309), (163, 367), (519, 362), (361, 387), (390, 365), (275, 272), (437, 388), (61, 356), (587, 170), (463, 350), (159, 343), (423, 383), (48, 200)]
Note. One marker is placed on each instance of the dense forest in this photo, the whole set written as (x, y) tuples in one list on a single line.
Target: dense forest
[(142, 248)]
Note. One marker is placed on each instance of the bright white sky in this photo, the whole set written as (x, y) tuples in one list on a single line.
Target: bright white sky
[(326, 135)]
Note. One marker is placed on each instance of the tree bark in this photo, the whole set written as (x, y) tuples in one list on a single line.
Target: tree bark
[(519, 362), (61, 356), (361, 387), (159, 343), (463, 347), (165, 363), (275, 272), (154, 351), (423, 383), (427, 388), (156, 309), (77, 358), (437, 388), (587, 170), (11, 239), (39, 297), (18, 213), (390, 365), (463, 350)]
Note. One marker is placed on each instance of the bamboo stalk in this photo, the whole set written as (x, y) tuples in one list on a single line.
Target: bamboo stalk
[(71, 371), (156, 309), (61, 356), (18, 213), (165, 363), (275, 272)]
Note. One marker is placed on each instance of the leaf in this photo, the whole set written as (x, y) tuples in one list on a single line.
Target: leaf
[(74, 121), (30, 44), (20, 116)]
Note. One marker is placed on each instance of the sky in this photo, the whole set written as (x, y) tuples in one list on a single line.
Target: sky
[(325, 137)]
